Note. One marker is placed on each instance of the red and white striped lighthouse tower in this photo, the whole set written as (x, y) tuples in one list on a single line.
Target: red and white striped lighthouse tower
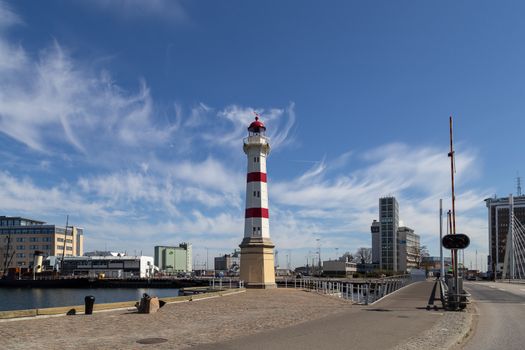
[(257, 260)]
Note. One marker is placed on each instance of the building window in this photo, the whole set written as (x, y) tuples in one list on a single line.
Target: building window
[(60, 239), (20, 247), (20, 239), (33, 239)]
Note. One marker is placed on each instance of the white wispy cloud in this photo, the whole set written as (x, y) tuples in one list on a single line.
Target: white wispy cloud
[(8, 17), (143, 177), (132, 9), (340, 205)]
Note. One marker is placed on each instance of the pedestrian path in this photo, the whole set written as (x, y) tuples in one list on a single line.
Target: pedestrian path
[(382, 325)]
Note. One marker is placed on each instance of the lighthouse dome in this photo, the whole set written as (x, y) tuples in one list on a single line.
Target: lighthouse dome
[(257, 126)]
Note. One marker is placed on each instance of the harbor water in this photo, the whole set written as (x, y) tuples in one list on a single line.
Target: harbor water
[(35, 298)]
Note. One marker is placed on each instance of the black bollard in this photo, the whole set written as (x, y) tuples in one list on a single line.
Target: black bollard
[(89, 302)]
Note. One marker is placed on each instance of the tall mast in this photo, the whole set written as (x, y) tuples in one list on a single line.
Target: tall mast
[(452, 171), (64, 250)]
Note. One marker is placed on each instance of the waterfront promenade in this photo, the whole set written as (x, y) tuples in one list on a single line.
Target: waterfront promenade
[(276, 319)]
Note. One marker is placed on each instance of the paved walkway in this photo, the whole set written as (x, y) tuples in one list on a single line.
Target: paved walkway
[(274, 319), (387, 323)]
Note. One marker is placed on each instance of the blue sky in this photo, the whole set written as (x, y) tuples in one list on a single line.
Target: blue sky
[(129, 116)]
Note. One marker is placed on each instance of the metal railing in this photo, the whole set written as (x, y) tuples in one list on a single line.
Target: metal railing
[(225, 282), (358, 292)]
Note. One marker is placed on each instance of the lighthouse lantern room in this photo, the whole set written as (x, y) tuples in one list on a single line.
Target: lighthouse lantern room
[(257, 258)]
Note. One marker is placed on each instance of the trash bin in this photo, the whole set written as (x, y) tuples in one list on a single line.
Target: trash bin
[(89, 302)]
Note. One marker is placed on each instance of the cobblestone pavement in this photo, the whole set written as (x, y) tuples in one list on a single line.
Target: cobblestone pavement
[(179, 325)]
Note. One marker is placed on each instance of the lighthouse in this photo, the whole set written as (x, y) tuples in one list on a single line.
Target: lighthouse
[(257, 259)]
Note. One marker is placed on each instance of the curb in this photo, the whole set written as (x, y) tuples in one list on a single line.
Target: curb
[(394, 292), (19, 315)]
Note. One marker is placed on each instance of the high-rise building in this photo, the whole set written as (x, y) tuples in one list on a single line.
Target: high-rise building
[(20, 238), (173, 259), (498, 224), (389, 222), (375, 229), (394, 248)]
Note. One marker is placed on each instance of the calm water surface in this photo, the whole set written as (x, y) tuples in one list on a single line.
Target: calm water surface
[(34, 298)]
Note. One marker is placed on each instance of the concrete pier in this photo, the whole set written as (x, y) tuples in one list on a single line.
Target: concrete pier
[(255, 319)]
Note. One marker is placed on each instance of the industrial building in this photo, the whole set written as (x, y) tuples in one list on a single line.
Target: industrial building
[(339, 268), (228, 263), (109, 266), (498, 227), (432, 264), (172, 259), (21, 237)]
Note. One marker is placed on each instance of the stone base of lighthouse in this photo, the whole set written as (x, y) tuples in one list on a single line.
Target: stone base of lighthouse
[(257, 263)]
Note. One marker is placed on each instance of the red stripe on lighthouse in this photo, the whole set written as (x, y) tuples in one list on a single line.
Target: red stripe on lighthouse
[(256, 177), (257, 213)]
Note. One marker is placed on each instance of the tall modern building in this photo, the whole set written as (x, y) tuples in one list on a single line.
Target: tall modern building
[(394, 248), (173, 259), (389, 223), (375, 229), (20, 238), (498, 224)]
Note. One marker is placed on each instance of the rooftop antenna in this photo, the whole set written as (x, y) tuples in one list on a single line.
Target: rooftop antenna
[(518, 181)]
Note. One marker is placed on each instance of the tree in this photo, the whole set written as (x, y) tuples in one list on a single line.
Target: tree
[(364, 255), (421, 252), (347, 256)]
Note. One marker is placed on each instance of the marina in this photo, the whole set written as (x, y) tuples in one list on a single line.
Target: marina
[(35, 298)]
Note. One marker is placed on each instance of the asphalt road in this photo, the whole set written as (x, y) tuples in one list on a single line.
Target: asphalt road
[(385, 324), (501, 316)]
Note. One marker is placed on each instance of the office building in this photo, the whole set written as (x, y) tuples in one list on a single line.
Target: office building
[(173, 259), (394, 248), (375, 229), (389, 223), (498, 227), (21, 237), (408, 249)]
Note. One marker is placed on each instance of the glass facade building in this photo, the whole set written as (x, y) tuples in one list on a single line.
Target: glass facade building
[(389, 223)]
